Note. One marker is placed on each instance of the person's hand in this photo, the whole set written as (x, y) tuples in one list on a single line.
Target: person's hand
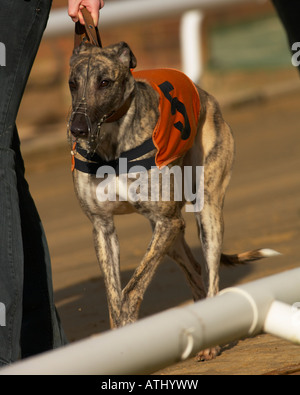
[(93, 6)]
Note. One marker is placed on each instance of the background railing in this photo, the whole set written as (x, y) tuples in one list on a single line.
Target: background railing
[(118, 13)]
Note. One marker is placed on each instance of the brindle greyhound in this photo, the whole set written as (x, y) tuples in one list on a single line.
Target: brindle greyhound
[(112, 113)]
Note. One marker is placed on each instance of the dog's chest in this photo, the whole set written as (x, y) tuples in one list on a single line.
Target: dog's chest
[(102, 197)]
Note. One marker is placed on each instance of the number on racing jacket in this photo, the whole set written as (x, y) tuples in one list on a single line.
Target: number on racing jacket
[(177, 105)]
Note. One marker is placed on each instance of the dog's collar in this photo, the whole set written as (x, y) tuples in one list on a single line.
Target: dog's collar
[(115, 116), (95, 161)]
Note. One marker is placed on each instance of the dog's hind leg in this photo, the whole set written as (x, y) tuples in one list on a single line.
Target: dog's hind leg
[(183, 256), (210, 223), (218, 151), (210, 220), (211, 227), (216, 142)]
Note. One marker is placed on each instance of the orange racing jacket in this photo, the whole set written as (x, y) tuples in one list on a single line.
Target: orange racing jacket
[(179, 108)]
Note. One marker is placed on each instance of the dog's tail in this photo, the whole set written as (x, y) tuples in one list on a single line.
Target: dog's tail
[(249, 256)]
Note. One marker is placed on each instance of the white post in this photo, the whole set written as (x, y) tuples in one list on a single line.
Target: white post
[(191, 44)]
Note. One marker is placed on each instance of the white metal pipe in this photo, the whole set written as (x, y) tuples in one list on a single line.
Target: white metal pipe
[(146, 346), (262, 293), (174, 335), (128, 11), (283, 321), (191, 44)]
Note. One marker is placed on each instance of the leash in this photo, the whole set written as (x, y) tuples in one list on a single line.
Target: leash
[(87, 33)]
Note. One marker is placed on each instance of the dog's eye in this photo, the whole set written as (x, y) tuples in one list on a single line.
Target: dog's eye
[(103, 83), (73, 85)]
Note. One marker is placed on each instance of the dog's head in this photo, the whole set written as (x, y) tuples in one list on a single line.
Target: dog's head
[(100, 82)]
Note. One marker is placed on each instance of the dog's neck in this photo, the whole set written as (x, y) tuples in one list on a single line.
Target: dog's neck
[(125, 134), (121, 112)]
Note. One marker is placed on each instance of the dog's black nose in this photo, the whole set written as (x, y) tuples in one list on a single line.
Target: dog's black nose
[(79, 126)]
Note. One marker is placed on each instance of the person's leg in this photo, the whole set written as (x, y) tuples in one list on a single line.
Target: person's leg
[(40, 324), (11, 260), (24, 258), (289, 11)]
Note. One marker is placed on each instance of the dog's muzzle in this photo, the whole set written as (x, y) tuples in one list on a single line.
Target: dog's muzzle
[(80, 125), (79, 122)]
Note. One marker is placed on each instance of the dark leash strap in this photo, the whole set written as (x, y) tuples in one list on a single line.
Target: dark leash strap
[(87, 32)]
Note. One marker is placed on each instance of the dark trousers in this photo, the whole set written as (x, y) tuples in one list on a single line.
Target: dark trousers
[(289, 11), (31, 322)]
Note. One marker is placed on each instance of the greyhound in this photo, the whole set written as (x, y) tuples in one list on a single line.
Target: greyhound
[(115, 112)]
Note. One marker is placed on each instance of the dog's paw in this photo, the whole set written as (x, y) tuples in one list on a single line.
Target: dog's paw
[(208, 354)]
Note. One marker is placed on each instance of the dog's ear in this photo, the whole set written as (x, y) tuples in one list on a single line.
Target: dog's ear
[(83, 47), (126, 56), (78, 50)]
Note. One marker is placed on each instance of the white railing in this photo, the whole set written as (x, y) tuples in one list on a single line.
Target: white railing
[(127, 11), (271, 305)]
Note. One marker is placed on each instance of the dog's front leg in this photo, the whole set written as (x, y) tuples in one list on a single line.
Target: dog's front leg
[(165, 232), (108, 254)]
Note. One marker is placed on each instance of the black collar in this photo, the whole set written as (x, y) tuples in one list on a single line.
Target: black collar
[(95, 161)]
